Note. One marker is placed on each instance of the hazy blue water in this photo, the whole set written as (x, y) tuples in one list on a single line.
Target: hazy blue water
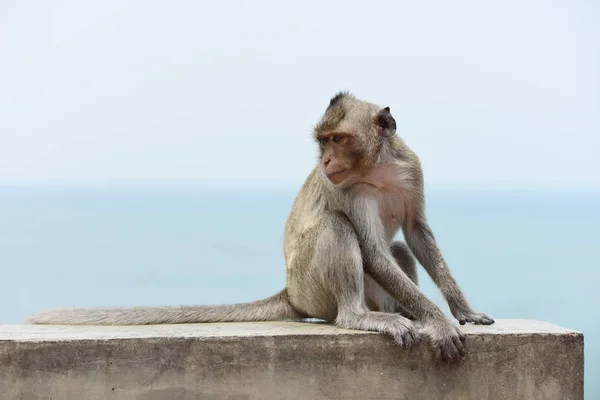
[(517, 255)]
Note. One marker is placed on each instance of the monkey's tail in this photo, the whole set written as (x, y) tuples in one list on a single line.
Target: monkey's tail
[(274, 308)]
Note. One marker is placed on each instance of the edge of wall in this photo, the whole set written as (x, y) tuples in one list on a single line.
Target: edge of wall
[(512, 359)]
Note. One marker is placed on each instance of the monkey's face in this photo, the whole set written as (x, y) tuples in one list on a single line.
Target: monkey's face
[(350, 135), (339, 155)]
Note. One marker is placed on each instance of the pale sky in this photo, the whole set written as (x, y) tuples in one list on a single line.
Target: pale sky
[(488, 92)]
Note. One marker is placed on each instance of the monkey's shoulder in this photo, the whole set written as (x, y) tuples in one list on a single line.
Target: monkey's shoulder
[(394, 176)]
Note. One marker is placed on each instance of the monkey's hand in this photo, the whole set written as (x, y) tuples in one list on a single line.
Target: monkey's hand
[(463, 316), (446, 339)]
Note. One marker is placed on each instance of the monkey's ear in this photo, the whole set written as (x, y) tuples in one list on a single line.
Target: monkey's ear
[(385, 122)]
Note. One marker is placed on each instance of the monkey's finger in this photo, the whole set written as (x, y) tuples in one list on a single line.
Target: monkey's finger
[(453, 355), (448, 351), (408, 341), (397, 339), (459, 345), (405, 340), (414, 335), (418, 337), (415, 338)]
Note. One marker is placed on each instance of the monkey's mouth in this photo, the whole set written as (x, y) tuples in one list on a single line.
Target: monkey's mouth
[(337, 176), (338, 172)]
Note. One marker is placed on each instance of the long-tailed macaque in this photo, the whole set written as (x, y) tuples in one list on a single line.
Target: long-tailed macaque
[(342, 263)]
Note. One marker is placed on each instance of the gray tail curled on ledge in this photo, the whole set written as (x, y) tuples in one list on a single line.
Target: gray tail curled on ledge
[(274, 308)]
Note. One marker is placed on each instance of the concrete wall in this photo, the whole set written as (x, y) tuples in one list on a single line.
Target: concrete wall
[(513, 359)]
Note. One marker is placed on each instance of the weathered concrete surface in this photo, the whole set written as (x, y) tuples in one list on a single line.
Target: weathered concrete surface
[(513, 359)]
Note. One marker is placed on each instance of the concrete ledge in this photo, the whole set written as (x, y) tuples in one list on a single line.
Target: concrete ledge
[(512, 359)]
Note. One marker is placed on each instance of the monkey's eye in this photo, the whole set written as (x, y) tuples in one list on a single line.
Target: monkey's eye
[(338, 139), (323, 141)]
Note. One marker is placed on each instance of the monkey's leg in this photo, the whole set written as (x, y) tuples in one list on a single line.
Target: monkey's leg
[(338, 253), (421, 241), (377, 298), (405, 260)]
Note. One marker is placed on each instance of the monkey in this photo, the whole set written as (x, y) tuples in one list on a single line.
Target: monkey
[(342, 263)]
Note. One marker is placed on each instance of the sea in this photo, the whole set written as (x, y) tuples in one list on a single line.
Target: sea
[(517, 253)]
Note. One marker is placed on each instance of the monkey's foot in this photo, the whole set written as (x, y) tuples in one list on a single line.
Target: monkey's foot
[(400, 329), (476, 318), (404, 332), (446, 339)]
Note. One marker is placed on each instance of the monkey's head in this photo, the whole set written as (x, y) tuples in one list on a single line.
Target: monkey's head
[(350, 136)]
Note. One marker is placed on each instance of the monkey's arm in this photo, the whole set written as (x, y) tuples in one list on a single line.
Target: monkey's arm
[(380, 264), (421, 241)]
